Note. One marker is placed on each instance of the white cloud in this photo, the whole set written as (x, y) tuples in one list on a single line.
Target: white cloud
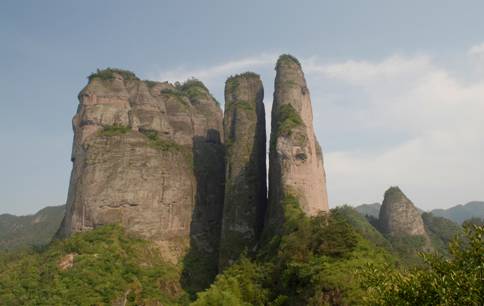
[(438, 162), (477, 50), (222, 70), (400, 120)]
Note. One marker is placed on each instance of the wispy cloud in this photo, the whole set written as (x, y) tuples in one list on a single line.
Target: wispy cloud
[(477, 50), (439, 115), (222, 70)]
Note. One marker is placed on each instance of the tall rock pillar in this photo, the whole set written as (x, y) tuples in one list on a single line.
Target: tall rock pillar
[(296, 166), (245, 170)]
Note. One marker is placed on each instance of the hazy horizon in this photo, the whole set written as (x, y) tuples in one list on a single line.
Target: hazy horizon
[(395, 105)]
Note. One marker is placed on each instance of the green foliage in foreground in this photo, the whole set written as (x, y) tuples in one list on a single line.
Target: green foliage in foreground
[(329, 259), (108, 265), (455, 281), (313, 262)]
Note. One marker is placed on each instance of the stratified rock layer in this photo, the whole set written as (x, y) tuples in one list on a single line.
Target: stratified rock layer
[(398, 215), (245, 174), (149, 156), (296, 161)]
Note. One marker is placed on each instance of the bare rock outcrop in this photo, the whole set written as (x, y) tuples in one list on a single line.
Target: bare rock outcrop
[(245, 178), (148, 155), (399, 216), (295, 160)]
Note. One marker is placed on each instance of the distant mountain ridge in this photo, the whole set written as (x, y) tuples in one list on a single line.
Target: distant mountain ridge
[(458, 213), (31, 230), (372, 210)]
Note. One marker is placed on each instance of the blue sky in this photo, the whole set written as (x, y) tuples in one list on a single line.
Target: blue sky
[(397, 86)]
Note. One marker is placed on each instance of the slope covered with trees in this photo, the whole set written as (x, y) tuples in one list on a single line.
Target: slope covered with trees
[(32, 230)]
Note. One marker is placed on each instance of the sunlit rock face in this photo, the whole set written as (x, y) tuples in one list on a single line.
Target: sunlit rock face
[(295, 160), (150, 156)]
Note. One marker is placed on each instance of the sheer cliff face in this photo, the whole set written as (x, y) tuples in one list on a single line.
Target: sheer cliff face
[(398, 215), (245, 178), (296, 161), (148, 155)]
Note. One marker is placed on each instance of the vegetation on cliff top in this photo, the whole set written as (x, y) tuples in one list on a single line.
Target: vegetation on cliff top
[(232, 81), (231, 86), (287, 58), (192, 89), (108, 74)]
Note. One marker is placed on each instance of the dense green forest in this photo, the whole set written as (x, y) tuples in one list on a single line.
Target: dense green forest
[(332, 259), (32, 230)]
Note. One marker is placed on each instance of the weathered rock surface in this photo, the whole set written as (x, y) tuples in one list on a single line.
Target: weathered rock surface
[(148, 155), (398, 216), (295, 160), (245, 174)]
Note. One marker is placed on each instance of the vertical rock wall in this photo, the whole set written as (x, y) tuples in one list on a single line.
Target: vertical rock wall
[(245, 178), (149, 156), (295, 160)]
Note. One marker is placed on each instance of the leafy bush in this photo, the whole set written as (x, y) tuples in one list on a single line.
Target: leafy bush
[(108, 74), (192, 89), (312, 261), (455, 281), (407, 248), (241, 284), (233, 81), (115, 129), (160, 144)]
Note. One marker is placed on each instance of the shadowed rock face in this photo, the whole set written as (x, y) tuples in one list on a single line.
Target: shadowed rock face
[(245, 176), (149, 156), (398, 215), (296, 161)]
